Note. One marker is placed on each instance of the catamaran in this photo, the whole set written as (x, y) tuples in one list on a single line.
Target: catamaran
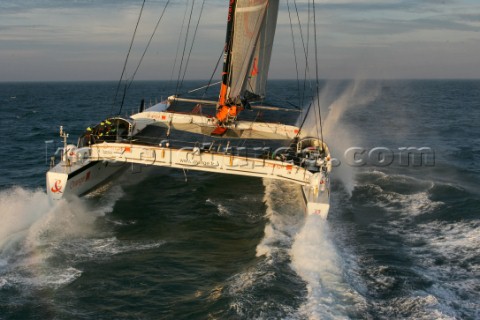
[(209, 140)]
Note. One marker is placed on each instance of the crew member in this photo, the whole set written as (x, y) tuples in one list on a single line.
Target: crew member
[(88, 137), (101, 130), (108, 128)]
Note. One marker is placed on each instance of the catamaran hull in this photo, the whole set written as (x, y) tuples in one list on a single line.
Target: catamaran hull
[(316, 202), (82, 180)]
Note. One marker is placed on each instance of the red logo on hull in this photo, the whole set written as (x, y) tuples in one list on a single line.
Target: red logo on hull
[(57, 187)]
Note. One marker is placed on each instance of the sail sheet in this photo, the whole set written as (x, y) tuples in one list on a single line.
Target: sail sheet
[(249, 23)]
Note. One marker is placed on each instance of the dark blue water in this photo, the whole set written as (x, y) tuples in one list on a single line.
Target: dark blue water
[(401, 241)]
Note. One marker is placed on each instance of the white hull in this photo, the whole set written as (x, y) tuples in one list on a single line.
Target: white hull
[(77, 180), (316, 202)]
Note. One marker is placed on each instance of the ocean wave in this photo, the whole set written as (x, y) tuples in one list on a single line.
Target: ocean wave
[(416, 306), (397, 194), (246, 293), (35, 235), (449, 259), (439, 247)]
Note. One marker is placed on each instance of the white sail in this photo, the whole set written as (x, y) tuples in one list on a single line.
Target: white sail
[(257, 76), (248, 22)]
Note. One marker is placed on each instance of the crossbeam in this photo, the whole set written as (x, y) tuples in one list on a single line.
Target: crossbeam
[(200, 160)]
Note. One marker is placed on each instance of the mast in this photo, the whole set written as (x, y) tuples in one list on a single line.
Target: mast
[(223, 109)]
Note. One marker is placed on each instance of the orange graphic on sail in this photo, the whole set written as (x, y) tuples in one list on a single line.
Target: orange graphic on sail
[(255, 67)]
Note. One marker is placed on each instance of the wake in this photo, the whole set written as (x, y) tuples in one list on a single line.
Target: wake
[(307, 243), (308, 240)]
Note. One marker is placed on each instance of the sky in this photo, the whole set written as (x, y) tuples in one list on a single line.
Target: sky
[(70, 40)]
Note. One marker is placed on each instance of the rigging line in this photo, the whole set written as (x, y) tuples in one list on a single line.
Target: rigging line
[(149, 42), (316, 69), (205, 86), (179, 40), (125, 87), (193, 41), (213, 74), (317, 119), (184, 47), (309, 79), (305, 50), (294, 51), (304, 119), (126, 59), (307, 69)]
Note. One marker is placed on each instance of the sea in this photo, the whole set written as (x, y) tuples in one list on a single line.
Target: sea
[(402, 239)]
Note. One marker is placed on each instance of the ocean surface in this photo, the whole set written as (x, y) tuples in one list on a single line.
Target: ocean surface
[(402, 240)]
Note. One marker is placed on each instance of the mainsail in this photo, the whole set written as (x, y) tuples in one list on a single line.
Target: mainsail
[(250, 32), (253, 32), (257, 76)]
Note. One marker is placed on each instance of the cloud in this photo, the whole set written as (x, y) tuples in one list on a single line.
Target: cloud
[(368, 35)]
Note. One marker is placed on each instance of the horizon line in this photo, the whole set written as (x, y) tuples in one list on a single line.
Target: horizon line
[(279, 79)]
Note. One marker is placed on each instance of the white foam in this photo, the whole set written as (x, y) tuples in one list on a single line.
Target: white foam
[(221, 209), (113, 246), (33, 229), (242, 282), (444, 253), (20, 209), (51, 277), (416, 202), (316, 261), (242, 289), (306, 242), (285, 214), (448, 259), (417, 306), (409, 205), (3, 282)]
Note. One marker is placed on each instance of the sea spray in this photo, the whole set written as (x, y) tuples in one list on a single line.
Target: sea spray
[(305, 244), (335, 100), (20, 210), (35, 233), (285, 218), (316, 260)]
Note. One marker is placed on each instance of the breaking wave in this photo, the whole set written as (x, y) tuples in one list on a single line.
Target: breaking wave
[(42, 242)]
